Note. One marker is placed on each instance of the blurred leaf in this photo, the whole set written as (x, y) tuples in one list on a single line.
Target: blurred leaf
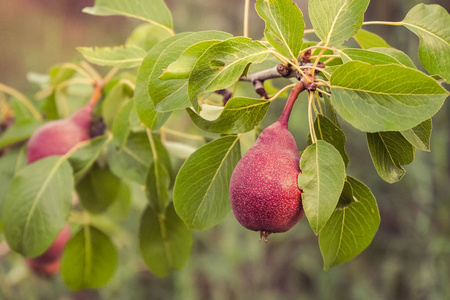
[(19, 132), (239, 115), (146, 36), (98, 189), (222, 65), (144, 105), (321, 181), (60, 73), (384, 97), (420, 135), (400, 56), (113, 102), (165, 241), (335, 21), (121, 125), (331, 133), (37, 205), (431, 24), (10, 164), (83, 158), (367, 39), (201, 195), (351, 229), (152, 11), (389, 151), (120, 207), (120, 57), (168, 95), (284, 25), (89, 260)]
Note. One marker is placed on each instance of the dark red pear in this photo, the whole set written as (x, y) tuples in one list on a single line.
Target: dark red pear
[(58, 137), (264, 191), (47, 264)]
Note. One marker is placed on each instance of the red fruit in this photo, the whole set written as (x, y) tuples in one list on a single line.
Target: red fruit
[(57, 137), (48, 263), (264, 191)]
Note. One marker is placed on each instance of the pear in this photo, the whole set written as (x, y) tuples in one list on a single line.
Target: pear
[(264, 192), (48, 263), (57, 137)]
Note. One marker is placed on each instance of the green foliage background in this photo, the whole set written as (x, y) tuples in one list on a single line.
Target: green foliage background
[(408, 259)]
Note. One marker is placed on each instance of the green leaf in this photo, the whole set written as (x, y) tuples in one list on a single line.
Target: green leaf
[(239, 115), (152, 11), (351, 229), (82, 159), (120, 57), (420, 135), (19, 132), (389, 151), (346, 197), (431, 24), (368, 56), (10, 163), (168, 95), (146, 36), (121, 125), (335, 21), (98, 189), (143, 104), (367, 39), (157, 187), (89, 259), (321, 181), (331, 133), (131, 160), (201, 195), (400, 56), (222, 65), (284, 25), (165, 241), (384, 97), (114, 100), (37, 205)]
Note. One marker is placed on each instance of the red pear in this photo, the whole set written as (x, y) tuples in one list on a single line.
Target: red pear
[(57, 137), (264, 191)]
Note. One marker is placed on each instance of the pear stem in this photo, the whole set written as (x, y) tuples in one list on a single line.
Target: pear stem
[(298, 88), (97, 93)]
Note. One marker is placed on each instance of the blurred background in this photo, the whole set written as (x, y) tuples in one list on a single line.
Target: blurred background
[(408, 259)]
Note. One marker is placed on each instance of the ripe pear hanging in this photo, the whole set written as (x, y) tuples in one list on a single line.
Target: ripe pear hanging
[(263, 190)]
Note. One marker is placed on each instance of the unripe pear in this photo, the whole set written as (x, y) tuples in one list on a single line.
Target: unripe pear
[(58, 137), (264, 192), (48, 263)]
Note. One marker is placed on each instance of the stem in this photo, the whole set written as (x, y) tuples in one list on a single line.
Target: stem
[(320, 47), (383, 23), (246, 14), (78, 69), (323, 92), (92, 72), (306, 31), (110, 75), (165, 130), (24, 100), (316, 94), (97, 93), (310, 118), (298, 88), (282, 91)]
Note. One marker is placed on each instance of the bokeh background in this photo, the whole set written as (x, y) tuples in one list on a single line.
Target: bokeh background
[(408, 259)]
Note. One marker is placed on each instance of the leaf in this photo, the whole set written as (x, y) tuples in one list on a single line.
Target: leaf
[(284, 25), (367, 39), (132, 160), (389, 151), (121, 125), (384, 97), (222, 65), (143, 104), (157, 187), (10, 163), (400, 56), (420, 135), (168, 95), (165, 241), (346, 197), (331, 133), (335, 21), (146, 36), (152, 11), (89, 259), (114, 100), (321, 181), (350, 230), (431, 24), (120, 57), (239, 115), (19, 132), (82, 159), (201, 196), (37, 205), (368, 56), (98, 189)]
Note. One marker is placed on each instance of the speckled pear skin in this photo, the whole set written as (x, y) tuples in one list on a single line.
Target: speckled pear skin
[(264, 191), (57, 137)]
